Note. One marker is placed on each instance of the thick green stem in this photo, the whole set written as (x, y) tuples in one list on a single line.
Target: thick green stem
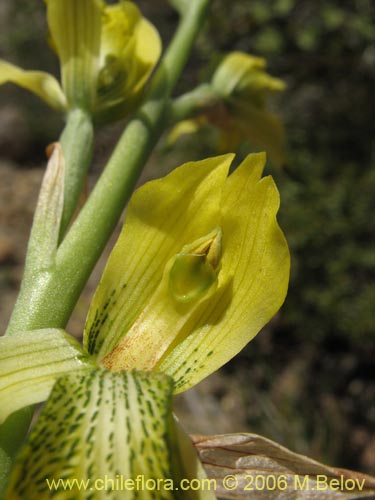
[(77, 144), (51, 299)]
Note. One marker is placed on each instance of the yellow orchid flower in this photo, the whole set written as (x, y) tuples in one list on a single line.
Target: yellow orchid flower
[(243, 85), (200, 267), (106, 53)]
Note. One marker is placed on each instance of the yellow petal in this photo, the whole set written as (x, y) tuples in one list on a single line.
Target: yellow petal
[(147, 51), (188, 280), (233, 69), (243, 75), (42, 84), (130, 48), (75, 30), (181, 302), (163, 216), (186, 127), (261, 128), (256, 85), (252, 282), (118, 25), (244, 84)]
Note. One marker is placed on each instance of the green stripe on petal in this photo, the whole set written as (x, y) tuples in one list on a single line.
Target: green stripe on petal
[(252, 285), (107, 435), (163, 216), (39, 83), (75, 31), (30, 362)]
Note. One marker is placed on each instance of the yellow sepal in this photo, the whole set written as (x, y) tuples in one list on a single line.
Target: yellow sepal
[(130, 49), (75, 31), (242, 81), (244, 76), (39, 83)]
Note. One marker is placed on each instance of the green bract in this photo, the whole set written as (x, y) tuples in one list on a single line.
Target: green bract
[(106, 53)]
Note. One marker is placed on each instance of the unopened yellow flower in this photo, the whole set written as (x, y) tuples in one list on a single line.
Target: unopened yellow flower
[(106, 54), (243, 85), (200, 267)]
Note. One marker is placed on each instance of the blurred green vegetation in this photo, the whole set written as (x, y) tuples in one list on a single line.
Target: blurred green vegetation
[(325, 52)]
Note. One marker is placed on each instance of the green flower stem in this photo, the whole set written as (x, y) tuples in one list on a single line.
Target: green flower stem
[(180, 47), (77, 144), (51, 300), (193, 103)]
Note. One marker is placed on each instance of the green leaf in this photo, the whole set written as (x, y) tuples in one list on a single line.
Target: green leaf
[(30, 362), (106, 435)]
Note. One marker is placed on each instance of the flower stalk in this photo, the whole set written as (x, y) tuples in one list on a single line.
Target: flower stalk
[(77, 142)]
